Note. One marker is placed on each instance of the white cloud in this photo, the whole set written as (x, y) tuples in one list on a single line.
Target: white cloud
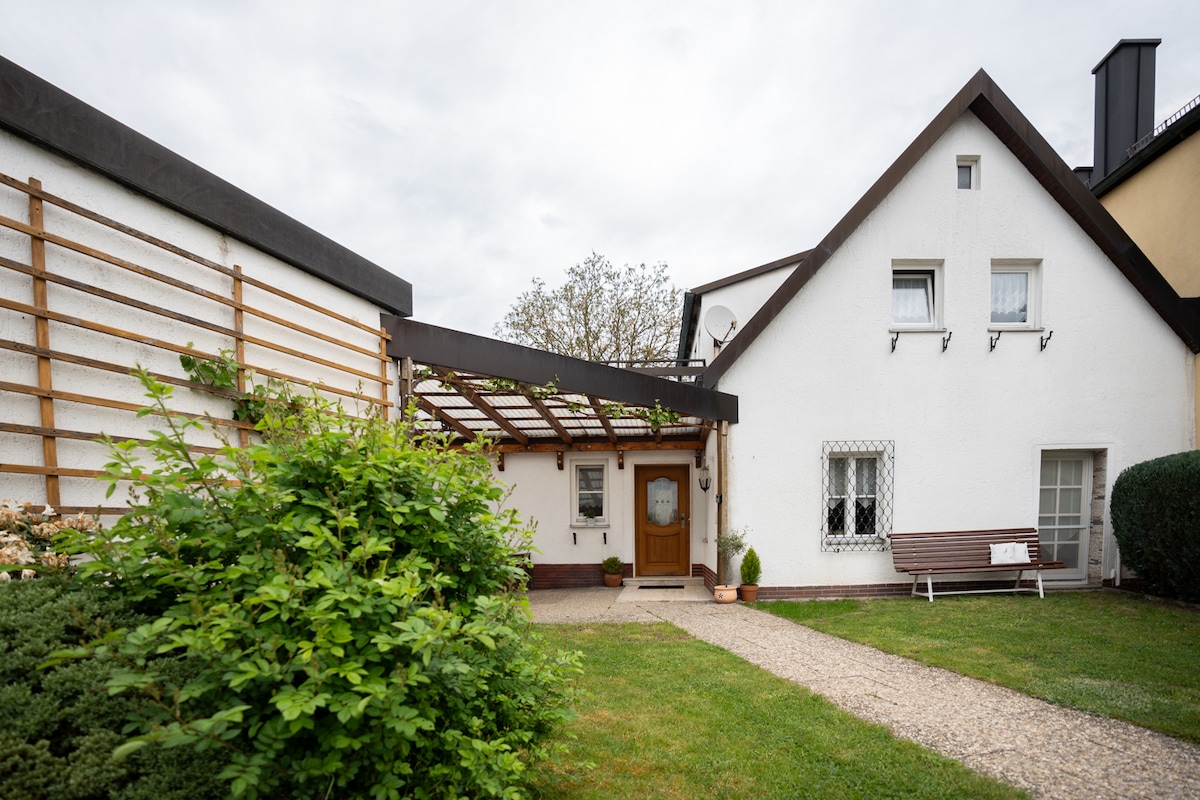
[(472, 146)]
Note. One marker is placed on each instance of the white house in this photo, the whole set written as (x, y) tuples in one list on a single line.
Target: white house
[(976, 345)]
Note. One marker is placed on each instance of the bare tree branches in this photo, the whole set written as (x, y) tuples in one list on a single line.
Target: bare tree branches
[(602, 313)]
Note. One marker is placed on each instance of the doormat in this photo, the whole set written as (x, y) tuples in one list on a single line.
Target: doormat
[(672, 586)]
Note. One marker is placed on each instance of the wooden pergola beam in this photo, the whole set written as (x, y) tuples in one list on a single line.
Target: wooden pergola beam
[(472, 397), (440, 415), (548, 415), (600, 415), (598, 447)]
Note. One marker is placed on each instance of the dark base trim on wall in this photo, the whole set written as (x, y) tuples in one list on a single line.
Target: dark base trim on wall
[(570, 576), (579, 576), (878, 589)]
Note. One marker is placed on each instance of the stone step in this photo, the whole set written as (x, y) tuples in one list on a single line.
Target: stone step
[(667, 580)]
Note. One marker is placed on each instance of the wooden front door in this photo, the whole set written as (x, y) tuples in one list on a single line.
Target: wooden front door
[(661, 520)]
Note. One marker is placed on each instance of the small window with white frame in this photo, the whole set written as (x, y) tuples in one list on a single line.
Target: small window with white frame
[(589, 494), (968, 172), (857, 495), (1016, 289), (916, 295)]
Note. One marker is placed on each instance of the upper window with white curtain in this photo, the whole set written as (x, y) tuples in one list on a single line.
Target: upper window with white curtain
[(916, 295), (1015, 294)]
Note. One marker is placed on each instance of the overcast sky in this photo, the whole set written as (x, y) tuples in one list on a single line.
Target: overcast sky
[(470, 146)]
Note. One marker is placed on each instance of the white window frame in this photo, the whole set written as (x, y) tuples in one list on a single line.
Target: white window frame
[(1031, 268), (882, 454), (932, 270), (971, 163), (1077, 576), (605, 493)]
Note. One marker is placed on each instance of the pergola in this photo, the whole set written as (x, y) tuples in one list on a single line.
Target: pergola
[(524, 400)]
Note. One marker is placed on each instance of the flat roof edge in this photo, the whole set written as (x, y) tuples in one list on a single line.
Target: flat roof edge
[(45, 115)]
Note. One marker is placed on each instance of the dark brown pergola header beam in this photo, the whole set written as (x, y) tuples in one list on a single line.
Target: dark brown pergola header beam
[(455, 350)]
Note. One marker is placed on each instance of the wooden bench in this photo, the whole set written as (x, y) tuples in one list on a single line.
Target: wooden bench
[(949, 552)]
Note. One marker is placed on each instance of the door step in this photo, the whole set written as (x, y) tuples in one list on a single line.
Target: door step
[(663, 580)]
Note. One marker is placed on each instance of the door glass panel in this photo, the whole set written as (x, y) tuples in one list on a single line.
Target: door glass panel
[(1062, 523), (662, 501), (1070, 499)]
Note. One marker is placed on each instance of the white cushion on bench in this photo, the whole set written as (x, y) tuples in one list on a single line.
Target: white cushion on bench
[(1010, 553)]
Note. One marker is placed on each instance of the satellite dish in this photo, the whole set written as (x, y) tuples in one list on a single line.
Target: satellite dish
[(720, 323)]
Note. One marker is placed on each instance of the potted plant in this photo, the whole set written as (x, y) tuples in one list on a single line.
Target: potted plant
[(751, 572), (613, 567), (729, 547)]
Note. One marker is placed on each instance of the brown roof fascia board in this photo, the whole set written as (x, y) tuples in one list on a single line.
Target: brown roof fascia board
[(43, 114), (817, 257), (455, 350), (753, 272), (996, 111), (982, 97)]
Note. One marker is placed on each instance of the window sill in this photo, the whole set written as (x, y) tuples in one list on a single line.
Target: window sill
[(1002, 329), (894, 329), (871, 539), (584, 524)]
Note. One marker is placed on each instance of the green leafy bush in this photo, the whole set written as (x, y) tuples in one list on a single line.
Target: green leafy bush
[(61, 725), (344, 587), (751, 568), (1156, 521)]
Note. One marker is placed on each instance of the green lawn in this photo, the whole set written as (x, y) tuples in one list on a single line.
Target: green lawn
[(1109, 653), (669, 716)]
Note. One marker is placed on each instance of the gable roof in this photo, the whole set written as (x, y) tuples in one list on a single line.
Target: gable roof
[(982, 97), (40, 112)]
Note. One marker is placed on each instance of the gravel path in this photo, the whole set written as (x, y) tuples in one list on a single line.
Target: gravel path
[(1050, 751)]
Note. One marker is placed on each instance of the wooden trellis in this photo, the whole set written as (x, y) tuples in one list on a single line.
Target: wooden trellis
[(367, 385)]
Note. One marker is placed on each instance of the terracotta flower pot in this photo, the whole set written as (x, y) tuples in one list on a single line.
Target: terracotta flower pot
[(612, 579), (749, 592), (724, 593)]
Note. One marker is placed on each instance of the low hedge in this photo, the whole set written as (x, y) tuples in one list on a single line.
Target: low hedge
[(1156, 521), (60, 724)]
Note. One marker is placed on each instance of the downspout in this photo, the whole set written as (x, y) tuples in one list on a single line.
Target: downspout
[(722, 489)]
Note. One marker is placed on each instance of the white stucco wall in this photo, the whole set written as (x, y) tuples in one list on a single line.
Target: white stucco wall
[(543, 494), (21, 160), (969, 425)]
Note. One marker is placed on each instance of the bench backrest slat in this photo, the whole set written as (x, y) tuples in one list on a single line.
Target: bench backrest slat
[(914, 550)]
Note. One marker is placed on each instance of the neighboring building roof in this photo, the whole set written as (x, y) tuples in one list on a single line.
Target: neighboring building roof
[(42, 113), (1165, 137), (984, 99)]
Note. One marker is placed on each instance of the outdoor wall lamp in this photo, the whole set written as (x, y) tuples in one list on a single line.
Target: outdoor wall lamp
[(705, 478)]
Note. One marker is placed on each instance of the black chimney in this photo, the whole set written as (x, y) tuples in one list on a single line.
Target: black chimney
[(1124, 102)]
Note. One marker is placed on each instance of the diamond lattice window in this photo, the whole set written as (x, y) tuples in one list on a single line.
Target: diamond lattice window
[(856, 494)]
